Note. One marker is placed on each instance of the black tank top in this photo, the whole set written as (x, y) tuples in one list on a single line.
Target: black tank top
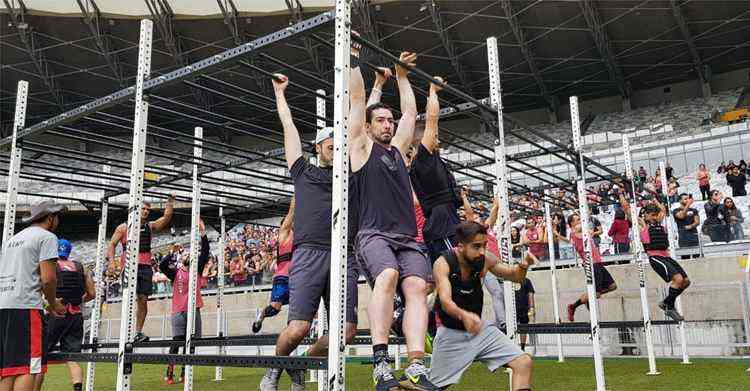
[(385, 202), (468, 295), (70, 282)]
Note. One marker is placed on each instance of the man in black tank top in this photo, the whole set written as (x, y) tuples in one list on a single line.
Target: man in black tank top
[(462, 337), (386, 245), (311, 255), (144, 284)]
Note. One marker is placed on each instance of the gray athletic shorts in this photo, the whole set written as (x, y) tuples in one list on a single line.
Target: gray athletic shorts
[(179, 323), (377, 251), (453, 351), (308, 283)]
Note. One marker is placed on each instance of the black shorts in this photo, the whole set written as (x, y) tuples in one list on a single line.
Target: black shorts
[(522, 316), (67, 332), (23, 347), (602, 278), (145, 285), (666, 267)]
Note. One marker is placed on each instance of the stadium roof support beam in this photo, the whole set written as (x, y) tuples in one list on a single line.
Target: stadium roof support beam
[(231, 16), (515, 26), (162, 15), (25, 33), (702, 69), (367, 22), (601, 39), (295, 8), (92, 18)]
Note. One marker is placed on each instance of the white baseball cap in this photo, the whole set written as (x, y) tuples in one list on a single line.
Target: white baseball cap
[(323, 134)]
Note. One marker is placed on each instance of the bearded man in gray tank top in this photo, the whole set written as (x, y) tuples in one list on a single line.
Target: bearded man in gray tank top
[(386, 246)]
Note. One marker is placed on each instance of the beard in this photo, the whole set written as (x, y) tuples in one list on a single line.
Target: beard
[(383, 138)]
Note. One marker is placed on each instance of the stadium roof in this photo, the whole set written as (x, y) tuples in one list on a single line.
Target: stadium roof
[(75, 50)]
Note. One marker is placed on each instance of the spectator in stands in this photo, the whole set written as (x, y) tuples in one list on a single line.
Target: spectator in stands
[(619, 231), (732, 217), (704, 181), (515, 242), (743, 167), (714, 226), (737, 181), (642, 175), (687, 220), (596, 231), (525, 310), (722, 168), (669, 170), (673, 190), (238, 272), (535, 238)]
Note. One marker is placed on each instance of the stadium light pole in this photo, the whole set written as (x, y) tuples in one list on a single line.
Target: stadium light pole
[(588, 266), (135, 204), (502, 227), (99, 268), (640, 257), (553, 274), (14, 168), (340, 199), (673, 254), (195, 244)]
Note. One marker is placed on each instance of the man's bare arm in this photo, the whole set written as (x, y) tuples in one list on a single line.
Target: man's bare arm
[(381, 77), (359, 142), (430, 138), (515, 273), (292, 143), (116, 239), (90, 287), (405, 130), (162, 222)]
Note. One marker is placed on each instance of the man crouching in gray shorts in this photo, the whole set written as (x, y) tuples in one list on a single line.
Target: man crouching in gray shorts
[(462, 337)]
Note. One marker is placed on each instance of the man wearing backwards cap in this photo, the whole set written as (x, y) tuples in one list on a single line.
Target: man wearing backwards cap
[(311, 254), (27, 272), (74, 286)]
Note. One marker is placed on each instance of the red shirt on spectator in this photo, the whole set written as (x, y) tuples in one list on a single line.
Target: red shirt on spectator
[(619, 231)]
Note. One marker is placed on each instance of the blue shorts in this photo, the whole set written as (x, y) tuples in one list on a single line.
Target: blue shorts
[(280, 290)]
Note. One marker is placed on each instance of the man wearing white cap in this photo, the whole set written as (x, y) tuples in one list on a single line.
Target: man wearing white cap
[(28, 272), (311, 254)]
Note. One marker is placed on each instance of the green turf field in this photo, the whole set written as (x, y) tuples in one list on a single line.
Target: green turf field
[(575, 374)]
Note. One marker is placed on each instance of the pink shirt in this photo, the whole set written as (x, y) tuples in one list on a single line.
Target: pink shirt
[(282, 268), (492, 243), (646, 238), (180, 288), (538, 249), (596, 256)]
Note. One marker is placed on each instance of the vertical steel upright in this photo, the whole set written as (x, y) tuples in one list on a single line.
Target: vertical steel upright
[(321, 325), (14, 168), (220, 332), (340, 198), (135, 205), (99, 280), (502, 228), (640, 259), (553, 273), (195, 247), (588, 265), (673, 255)]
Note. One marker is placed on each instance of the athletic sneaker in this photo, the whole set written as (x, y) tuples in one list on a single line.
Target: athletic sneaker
[(169, 377), (182, 374), (571, 313), (298, 379), (140, 337), (382, 376), (270, 381), (415, 377), (671, 312), (258, 324)]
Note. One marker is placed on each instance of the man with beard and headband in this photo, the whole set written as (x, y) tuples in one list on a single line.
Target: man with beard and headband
[(144, 286), (462, 337), (176, 266), (311, 255), (386, 245)]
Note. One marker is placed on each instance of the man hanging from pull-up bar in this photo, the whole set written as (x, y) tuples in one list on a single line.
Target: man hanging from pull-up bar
[(144, 285), (386, 245), (311, 257)]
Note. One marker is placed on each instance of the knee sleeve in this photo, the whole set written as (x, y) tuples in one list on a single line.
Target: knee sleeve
[(270, 311)]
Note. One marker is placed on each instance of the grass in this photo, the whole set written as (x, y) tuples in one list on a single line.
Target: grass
[(574, 374)]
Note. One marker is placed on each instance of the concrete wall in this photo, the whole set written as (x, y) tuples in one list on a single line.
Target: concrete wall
[(716, 294)]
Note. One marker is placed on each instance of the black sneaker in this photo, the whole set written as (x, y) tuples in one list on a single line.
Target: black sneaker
[(382, 376), (258, 324), (140, 337), (415, 378), (671, 312), (298, 379)]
